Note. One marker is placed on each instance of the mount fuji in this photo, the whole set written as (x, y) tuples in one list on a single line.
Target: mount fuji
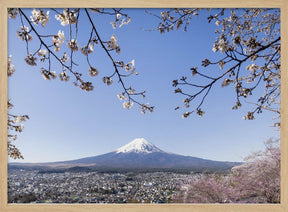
[(140, 154)]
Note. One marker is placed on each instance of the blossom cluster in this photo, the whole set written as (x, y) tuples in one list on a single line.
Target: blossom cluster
[(127, 104), (93, 71), (86, 86), (12, 13), (31, 60), (249, 116), (24, 34), (87, 49), (113, 44), (73, 45), (58, 40), (146, 107), (18, 119), (67, 17), (107, 80), (255, 181), (122, 96), (42, 53), (38, 16), (64, 58), (128, 67), (63, 76), (176, 18), (120, 20), (11, 68), (14, 124), (48, 75)]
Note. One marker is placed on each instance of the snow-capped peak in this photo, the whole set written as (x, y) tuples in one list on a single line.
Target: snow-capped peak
[(138, 145)]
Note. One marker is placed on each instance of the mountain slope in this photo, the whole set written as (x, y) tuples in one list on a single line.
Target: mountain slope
[(141, 154)]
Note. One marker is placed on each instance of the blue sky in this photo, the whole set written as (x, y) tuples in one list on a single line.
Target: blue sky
[(68, 123)]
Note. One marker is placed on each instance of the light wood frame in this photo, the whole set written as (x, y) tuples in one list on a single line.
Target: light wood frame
[(283, 4)]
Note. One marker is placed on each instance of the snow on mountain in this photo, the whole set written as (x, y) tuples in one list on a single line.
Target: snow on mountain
[(138, 145)]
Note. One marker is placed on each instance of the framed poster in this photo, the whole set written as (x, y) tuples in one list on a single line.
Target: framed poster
[(199, 73)]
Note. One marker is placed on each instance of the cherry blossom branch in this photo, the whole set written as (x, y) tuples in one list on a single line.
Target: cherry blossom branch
[(116, 71), (239, 39), (47, 47), (208, 87)]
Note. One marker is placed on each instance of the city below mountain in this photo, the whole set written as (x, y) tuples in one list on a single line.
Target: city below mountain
[(138, 154)]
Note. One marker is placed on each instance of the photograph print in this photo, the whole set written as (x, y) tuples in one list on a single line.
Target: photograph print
[(144, 105)]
